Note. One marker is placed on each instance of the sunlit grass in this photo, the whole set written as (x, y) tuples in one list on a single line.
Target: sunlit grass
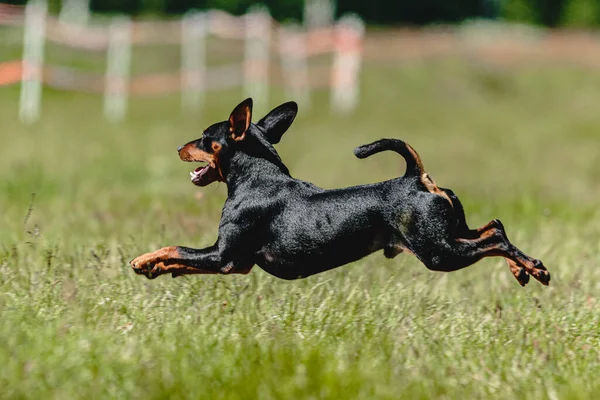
[(76, 322)]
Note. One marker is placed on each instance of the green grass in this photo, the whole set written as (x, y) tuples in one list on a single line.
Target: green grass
[(78, 323)]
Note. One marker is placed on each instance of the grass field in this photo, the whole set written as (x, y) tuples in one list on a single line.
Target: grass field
[(78, 323)]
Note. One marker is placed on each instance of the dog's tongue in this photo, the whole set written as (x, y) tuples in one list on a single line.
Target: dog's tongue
[(201, 170), (202, 176)]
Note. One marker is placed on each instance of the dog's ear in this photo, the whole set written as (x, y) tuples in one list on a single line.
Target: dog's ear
[(278, 121), (239, 120)]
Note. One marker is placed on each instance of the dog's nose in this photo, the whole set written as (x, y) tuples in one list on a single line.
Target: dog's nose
[(179, 148)]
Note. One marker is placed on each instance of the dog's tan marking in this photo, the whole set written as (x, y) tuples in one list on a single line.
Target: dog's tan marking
[(433, 188), (518, 272), (541, 274), (238, 138), (487, 226), (430, 185), (153, 264), (190, 153), (488, 233), (521, 273), (416, 156), (158, 263), (483, 234), (514, 263), (239, 122), (163, 254), (216, 147)]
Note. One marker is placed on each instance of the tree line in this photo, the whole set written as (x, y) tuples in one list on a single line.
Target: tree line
[(552, 13)]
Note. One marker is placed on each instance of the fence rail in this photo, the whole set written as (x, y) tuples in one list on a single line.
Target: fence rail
[(266, 54), (271, 54)]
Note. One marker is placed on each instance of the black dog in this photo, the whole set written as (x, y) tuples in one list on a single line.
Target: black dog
[(293, 229)]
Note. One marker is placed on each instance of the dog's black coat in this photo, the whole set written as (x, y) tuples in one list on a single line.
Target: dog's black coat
[(293, 229)]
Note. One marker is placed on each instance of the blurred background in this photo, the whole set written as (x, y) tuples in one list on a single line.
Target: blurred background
[(552, 13), (499, 96), (488, 90)]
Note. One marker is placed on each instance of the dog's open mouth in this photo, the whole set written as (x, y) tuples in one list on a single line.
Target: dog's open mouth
[(204, 175)]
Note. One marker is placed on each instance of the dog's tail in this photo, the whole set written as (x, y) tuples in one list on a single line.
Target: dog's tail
[(414, 165)]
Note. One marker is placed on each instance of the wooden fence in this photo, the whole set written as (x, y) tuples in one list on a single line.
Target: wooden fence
[(297, 59), (269, 54)]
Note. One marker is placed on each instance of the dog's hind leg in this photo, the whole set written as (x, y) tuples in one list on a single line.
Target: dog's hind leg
[(462, 230), (459, 253)]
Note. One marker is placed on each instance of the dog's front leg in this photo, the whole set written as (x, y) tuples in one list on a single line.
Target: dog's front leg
[(178, 261)]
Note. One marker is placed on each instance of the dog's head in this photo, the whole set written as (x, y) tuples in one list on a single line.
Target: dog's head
[(221, 140)]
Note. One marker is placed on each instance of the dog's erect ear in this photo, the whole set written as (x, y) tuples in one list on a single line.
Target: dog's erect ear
[(278, 121), (240, 118)]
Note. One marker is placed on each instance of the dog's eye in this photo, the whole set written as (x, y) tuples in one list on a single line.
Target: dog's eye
[(206, 142)]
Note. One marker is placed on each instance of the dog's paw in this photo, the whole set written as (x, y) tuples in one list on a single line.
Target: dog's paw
[(149, 267), (518, 272), (152, 265), (539, 272)]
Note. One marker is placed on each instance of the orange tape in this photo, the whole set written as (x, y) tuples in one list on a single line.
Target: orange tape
[(10, 72)]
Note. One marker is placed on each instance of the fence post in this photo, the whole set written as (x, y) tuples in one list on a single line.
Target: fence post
[(256, 57), (75, 12), (346, 64), (33, 61), (116, 82), (294, 64), (193, 59)]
